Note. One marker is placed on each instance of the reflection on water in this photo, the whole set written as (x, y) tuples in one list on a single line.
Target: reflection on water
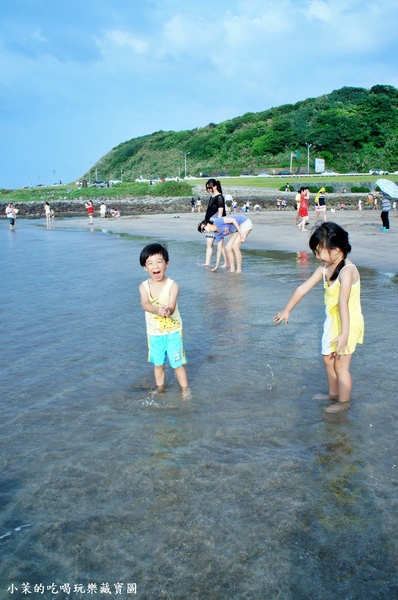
[(247, 491)]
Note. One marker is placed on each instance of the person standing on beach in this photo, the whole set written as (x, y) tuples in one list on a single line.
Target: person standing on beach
[(159, 295), (344, 324), (215, 208), (239, 228), (320, 205), (103, 210), (385, 209), (303, 209), (90, 211), (297, 201)]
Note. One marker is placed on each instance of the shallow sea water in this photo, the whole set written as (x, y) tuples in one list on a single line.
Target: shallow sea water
[(249, 490)]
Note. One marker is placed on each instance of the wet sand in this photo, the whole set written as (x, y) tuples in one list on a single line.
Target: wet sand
[(272, 230)]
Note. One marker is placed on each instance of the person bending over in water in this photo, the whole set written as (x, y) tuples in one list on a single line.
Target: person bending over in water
[(344, 324), (238, 228)]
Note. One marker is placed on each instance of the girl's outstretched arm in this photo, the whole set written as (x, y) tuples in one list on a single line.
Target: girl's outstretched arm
[(219, 252), (298, 294)]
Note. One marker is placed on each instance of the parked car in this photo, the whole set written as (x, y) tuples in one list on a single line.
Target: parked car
[(264, 175), (377, 172), (329, 172), (285, 173)]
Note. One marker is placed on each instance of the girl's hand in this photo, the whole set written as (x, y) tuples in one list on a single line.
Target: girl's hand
[(283, 315), (341, 342)]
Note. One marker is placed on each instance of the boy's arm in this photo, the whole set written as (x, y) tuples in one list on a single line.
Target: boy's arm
[(298, 294), (219, 252), (148, 307), (173, 297)]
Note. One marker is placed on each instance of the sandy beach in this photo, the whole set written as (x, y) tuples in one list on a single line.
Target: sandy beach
[(272, 230)]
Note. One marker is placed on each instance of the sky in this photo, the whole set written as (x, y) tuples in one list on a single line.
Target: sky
[(79, 77)]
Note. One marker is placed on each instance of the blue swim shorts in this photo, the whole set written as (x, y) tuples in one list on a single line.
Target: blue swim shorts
[(170, 345)]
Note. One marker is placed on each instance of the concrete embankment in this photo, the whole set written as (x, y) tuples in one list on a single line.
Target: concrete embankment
[(149, 205)]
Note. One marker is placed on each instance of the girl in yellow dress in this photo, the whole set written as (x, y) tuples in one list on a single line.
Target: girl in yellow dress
[(344, 325)]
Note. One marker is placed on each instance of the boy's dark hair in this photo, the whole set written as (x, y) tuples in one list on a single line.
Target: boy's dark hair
[(151, 250)]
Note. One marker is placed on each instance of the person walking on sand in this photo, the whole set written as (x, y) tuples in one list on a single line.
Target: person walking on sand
[(385, 209), (239, 228), (344, 324), (103, 210), (320, 205), (159, 296), (90, 211), (215, 208)]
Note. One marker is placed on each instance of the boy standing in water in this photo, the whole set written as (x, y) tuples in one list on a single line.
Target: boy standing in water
[(159, 295)]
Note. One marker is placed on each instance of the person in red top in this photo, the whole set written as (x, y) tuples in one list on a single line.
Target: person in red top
[(90, 211), (303, 208)]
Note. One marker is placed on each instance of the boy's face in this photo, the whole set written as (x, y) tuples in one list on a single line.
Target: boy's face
[(156, 266)]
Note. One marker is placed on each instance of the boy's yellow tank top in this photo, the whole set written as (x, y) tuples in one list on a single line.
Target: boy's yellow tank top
[(333, 322), (155, 324)]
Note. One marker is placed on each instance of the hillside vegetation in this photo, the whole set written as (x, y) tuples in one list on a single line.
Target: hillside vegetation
[(353, 129)]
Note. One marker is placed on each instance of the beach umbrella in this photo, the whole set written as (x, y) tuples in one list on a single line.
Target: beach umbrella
[(388, 187)]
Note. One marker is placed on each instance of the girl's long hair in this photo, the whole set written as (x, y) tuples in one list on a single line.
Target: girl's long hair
[(215, 184), (329, 235)]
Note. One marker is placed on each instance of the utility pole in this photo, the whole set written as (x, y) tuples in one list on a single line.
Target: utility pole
[(308, 156), (185, 161)]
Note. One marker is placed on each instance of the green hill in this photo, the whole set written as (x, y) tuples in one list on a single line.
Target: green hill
[(353, 129)]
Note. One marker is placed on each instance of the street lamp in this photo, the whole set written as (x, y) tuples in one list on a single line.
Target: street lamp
[(185, 161), (308, 156)]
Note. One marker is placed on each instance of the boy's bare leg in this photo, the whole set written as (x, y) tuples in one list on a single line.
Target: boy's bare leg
[(159, 379), (182, 378)]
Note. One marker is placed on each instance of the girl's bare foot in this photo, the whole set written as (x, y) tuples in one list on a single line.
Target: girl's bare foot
[(325, 397), (337, 407)]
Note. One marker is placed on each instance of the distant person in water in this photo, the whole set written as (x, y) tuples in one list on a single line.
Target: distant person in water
[(90, 211), (238, 228)]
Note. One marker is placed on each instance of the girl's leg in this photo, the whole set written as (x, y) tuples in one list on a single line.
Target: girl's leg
[(232, 254), (209, 251), (344, 381), (331, 375)]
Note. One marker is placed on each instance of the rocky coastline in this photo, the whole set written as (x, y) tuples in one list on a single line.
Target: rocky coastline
[(265, 198)]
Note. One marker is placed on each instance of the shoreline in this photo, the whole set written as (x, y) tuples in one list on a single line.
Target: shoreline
[(272, 230)]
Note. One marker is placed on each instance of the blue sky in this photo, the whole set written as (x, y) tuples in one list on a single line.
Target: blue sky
[(78, 77)]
